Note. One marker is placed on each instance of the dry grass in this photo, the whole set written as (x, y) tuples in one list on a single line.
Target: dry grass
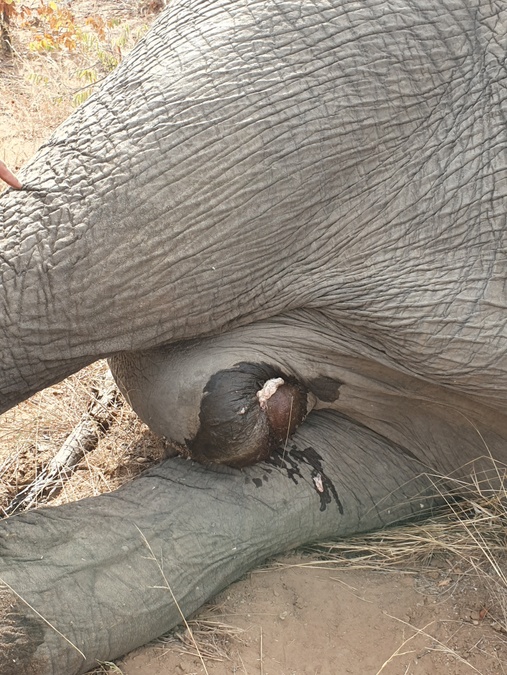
[(33, 432), (38, 90), (212, 637), (467, 539), (206, 639), (474, 531), (106, 667)]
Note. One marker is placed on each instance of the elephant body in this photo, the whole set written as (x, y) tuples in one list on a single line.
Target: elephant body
[(273, 215)]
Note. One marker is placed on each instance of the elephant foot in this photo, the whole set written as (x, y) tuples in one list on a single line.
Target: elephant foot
[(235, 415)]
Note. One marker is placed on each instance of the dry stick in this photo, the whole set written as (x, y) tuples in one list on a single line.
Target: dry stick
[(83, 438), (168, 588), (398, 652), (242, 663)]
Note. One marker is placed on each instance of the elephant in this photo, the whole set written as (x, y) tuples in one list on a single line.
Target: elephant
[(284, 224)]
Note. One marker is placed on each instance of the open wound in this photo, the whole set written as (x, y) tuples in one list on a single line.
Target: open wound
[(292, 460)]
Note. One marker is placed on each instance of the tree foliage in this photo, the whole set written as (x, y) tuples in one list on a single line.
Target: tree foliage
[(95, 43), (54, 26), (7, 9)]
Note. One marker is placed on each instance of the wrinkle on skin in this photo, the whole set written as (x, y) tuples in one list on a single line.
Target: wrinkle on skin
[(353, 145)]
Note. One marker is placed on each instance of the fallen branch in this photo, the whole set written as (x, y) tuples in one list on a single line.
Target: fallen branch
[(84, 438)]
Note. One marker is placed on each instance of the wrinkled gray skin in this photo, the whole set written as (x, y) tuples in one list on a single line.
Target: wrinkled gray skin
[(319, 186)]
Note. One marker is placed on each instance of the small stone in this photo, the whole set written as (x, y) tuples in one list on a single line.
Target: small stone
[(142, 460), (475, 616), (284, 615)]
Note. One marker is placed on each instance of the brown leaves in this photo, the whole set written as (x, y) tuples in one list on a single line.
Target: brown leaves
[(12, 8), (7, 9)]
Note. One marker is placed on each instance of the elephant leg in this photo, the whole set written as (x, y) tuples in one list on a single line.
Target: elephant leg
[(102, 576)]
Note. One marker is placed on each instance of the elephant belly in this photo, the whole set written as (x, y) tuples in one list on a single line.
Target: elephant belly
[(235, 398)]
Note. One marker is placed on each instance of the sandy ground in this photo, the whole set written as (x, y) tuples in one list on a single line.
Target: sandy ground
[(301, 621), (287, 620)]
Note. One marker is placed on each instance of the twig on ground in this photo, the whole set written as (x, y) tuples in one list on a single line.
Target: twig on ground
[(81, 440)]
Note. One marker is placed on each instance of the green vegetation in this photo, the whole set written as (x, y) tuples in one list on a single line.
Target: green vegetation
[(51, 28)]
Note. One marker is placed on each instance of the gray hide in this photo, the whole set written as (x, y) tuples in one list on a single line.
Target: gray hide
[(320, 186)]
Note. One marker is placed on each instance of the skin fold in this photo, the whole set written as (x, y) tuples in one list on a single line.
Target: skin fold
[(272, 216)]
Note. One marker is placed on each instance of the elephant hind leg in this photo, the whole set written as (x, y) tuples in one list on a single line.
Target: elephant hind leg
[(212, 402)]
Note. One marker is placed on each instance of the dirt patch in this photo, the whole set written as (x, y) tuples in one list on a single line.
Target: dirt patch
[(300, 621)]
